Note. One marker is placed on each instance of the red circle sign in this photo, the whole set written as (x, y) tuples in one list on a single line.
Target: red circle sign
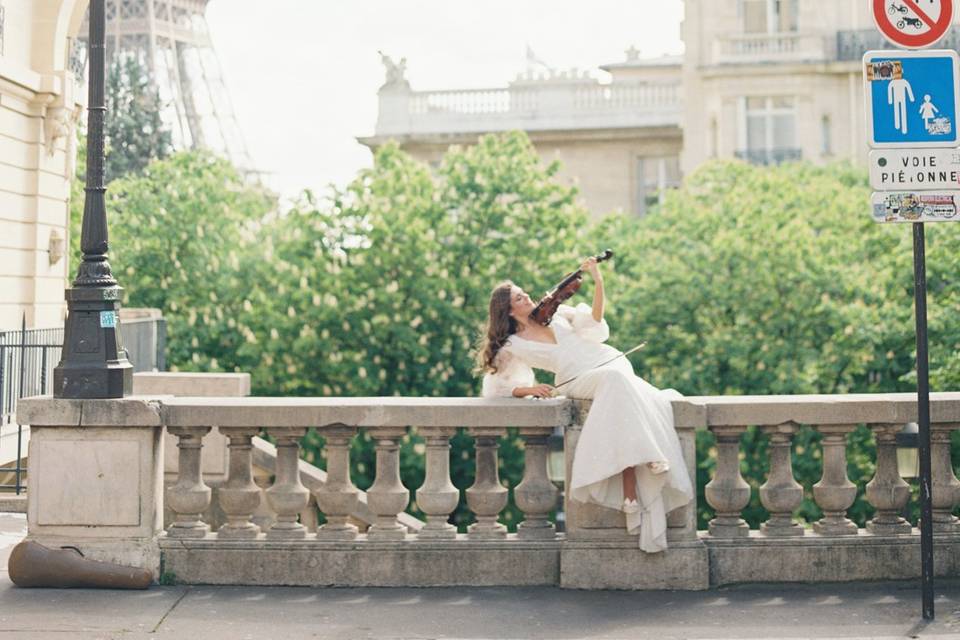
[(913, 24)]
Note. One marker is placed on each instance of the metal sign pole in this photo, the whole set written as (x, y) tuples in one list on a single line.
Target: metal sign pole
[(923, 411)]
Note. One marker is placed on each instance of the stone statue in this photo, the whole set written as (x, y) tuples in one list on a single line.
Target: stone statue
[(395, 72)]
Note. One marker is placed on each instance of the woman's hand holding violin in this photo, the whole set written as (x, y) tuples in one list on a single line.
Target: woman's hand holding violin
[(591, 266)]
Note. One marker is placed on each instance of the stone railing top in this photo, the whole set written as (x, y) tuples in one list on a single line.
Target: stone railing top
[(852, 408), (689, 412), (365, 412)]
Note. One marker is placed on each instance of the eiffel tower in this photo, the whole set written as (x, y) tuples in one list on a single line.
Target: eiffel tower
[(171, 40)]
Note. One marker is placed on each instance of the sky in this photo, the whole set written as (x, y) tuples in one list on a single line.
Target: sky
[(303, 74)]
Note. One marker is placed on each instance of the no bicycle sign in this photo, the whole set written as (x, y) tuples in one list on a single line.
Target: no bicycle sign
[(913, 24)]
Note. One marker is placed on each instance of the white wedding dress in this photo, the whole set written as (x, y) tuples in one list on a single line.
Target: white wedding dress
[(630, 421)]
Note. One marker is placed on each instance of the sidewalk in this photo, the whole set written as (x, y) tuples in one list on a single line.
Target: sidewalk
[(875, 610)]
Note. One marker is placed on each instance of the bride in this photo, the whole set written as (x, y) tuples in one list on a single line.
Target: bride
[(628, 456)]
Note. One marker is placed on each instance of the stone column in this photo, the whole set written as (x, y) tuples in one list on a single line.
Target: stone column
[(835, 493), (437, 497), (387, 497), (536, 496), (945, 488), (239, 496), (189, 497), (728, 493), (487, 497), (287, 497), (781, 494), (887, 491), (338, 497)]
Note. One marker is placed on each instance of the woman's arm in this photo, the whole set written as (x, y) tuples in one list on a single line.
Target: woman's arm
[(591, 266)]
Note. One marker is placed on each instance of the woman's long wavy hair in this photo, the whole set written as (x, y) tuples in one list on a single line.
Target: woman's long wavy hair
[(500, 326)]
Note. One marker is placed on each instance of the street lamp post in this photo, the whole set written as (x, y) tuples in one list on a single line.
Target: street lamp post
[(94, 363)]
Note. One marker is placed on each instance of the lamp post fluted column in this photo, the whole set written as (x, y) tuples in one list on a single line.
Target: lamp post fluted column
[(94, 363)]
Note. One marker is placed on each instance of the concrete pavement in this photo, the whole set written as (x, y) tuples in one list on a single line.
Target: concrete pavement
[(874, 610)]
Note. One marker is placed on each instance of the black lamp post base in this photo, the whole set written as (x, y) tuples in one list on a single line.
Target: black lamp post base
[(94, 363)]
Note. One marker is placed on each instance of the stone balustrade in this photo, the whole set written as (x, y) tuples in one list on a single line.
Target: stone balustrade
[(565, 103), (751, 48), (594, 552)]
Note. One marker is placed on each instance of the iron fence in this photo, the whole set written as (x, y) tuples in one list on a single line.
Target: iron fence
[(27, 359)]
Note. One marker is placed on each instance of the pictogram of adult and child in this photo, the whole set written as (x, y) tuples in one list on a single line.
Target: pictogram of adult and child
[(899, 92)]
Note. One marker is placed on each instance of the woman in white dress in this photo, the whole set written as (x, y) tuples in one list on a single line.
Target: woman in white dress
[(628, 456)]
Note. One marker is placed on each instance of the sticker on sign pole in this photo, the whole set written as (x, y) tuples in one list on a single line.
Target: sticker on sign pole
[(913, 24), (915, 206), (911, 98)]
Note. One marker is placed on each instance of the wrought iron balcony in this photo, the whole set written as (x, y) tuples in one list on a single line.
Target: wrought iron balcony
[(852, 44), (769, 156)]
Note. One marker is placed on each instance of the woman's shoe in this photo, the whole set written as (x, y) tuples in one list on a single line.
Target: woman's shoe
[(630, 506), (657, 468)]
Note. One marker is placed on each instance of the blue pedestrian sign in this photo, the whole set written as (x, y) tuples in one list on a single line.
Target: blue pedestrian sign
[(911, 98)]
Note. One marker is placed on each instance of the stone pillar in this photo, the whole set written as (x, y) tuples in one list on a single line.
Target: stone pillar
[(387, 497), (781, 494), (239, 496), (887, 491), (945, 488), (835, 493), (437, 497), (189, 498), (338, 497), (287, 497), (487, 497), (95, 477), (728, 493), (536, 496)]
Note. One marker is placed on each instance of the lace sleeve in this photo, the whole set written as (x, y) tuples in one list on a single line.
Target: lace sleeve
[(512, 372), (581, 318)]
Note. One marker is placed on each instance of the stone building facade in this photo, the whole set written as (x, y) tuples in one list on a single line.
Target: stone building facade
[(40, 104), (765, 81)]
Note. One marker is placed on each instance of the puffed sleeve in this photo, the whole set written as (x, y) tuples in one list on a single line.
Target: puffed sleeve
[(581, 318), (512, 372)]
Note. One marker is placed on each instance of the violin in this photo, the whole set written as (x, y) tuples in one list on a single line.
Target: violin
[(544, 311)]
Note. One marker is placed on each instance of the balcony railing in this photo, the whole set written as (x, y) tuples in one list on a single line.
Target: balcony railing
[(769, 156), (852, 44), (595, 551), (530, 106), (756, 48)]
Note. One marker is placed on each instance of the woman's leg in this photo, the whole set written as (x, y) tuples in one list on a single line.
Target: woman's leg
[(630, 483)]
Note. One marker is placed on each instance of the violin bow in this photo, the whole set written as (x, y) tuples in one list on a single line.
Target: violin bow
[(622, 355)]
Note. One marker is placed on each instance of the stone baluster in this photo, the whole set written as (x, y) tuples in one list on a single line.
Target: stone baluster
[(437, 497), (287, 497), (945, 488), (189, 497), (487, 497), (338, 497), (387, 497), (536, 496), (835, 493), (239, 496), (728, 493), (887, 491), (781, 494)]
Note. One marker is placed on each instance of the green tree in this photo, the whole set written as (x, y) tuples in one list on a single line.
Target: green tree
[(133, 129), (752, 280), (179, 232)]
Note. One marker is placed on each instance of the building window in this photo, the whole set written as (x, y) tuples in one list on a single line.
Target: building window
[(768, 130), (768, 16), (654, 176), (825, 142)]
